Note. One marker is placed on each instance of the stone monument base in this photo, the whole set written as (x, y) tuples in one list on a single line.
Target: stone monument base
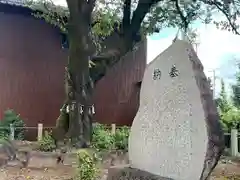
[(128, 173)]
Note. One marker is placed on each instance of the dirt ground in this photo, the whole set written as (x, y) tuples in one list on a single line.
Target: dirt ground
[(225, 170), (15, 173)]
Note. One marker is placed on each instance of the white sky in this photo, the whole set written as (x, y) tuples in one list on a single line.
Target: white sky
[(216, 50), (60, 2), (214, 45)]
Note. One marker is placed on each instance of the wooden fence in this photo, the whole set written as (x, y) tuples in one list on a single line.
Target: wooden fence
[(40, 130)]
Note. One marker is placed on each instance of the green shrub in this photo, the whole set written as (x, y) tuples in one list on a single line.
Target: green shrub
[(230, 119), (3, 135), (11, 117), (87, 165), (121, 138), (47, 143), (102, 137)]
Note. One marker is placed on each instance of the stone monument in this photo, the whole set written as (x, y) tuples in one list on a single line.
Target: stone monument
[(176, 133)]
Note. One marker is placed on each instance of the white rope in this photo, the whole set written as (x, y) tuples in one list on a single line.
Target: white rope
[(91, 109)]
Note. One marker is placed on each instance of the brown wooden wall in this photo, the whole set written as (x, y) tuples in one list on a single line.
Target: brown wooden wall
[(31, 69), (117, 93)]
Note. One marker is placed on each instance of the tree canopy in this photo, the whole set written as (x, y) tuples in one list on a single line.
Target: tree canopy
[(236, 89), (228, 105), (129, 20), (126, 15)]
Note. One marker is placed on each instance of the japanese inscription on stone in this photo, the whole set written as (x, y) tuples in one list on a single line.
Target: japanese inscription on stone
[(156, 74), (174, 72)]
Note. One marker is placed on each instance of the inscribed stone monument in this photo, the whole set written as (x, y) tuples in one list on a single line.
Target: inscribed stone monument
[(176, 132)]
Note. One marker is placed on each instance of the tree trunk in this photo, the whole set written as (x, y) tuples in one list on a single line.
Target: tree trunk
[(78, 83), (80, 116)]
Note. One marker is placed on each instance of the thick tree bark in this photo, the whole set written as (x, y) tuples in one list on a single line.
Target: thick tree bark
[(80, 50), (129, 33)]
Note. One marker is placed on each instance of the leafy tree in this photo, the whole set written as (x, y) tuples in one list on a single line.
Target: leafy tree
[(229, 114), (222, 101), (236, 89), (224, 107), (231, 118), (92, 24), (11, 117)]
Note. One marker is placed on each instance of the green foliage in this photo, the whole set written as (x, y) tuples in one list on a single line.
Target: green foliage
[(229, 114), (236, 89), (47, 144), (52, 14), (102, 137), (230, 111), (11, 117), (231, 118), (121, 138), (236, 94), (107, 13), (57, 16), (3, 135), (102, 23), (222, 101), (87, 165)]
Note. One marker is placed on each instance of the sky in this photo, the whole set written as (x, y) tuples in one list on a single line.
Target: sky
[(218, 50), (60, 2)]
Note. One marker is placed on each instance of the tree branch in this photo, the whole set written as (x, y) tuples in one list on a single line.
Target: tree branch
[(218, 6), (81, 11), (74, 7), (126, 14), (142, 9), (183, 18), (91, 4)]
